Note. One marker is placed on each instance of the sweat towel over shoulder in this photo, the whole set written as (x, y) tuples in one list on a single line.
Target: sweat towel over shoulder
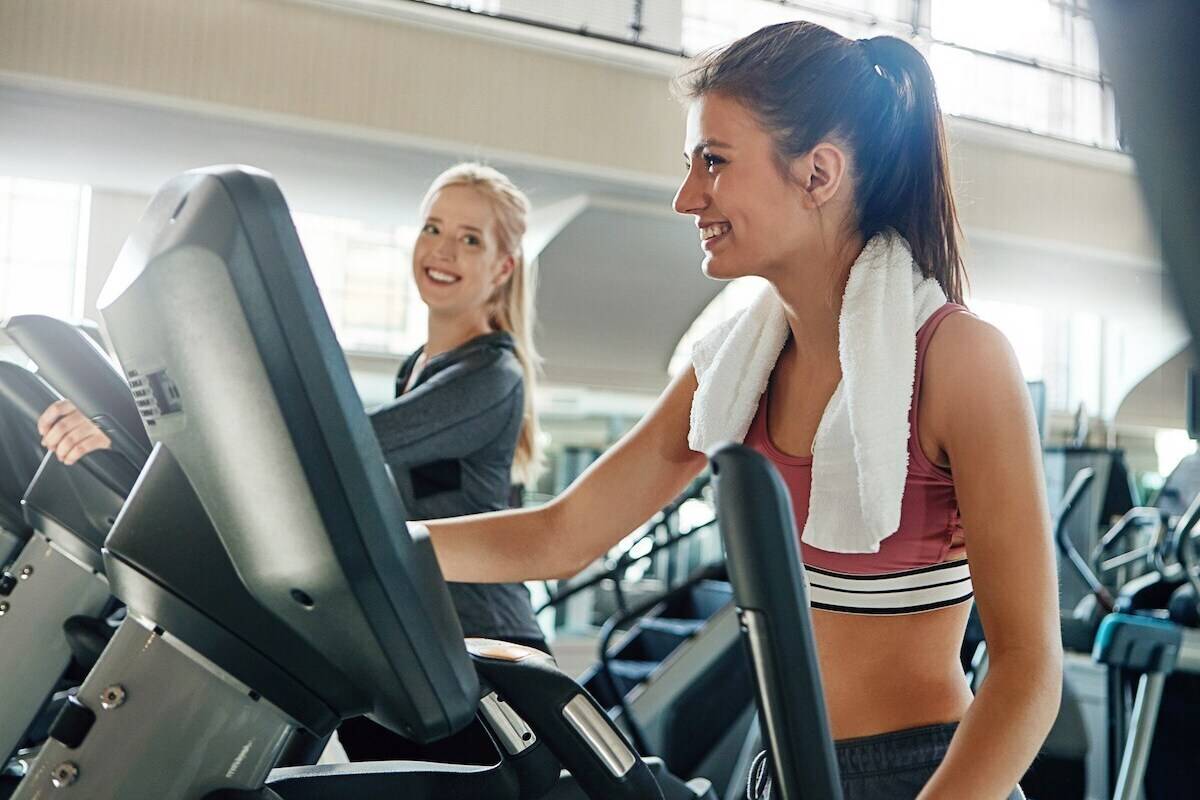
[(860, 452)]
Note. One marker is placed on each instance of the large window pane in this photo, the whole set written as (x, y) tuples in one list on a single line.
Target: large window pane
[(990, 58), (1034, 28), (364, 276), (40, 236), (1086, 46), (708, 23), (1020, 96), (1027, 64), (1084, 356), (616, 19)]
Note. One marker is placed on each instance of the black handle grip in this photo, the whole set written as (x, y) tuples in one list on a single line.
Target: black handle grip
[(28, 395), (71, 361), (763, 554), (1184, 547), (566, 719)]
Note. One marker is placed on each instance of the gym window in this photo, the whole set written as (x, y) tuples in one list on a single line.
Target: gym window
[(364, 276), (43, 240), (1026, 64)]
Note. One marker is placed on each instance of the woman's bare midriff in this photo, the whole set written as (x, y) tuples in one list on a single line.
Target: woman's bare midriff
[(888, 673)]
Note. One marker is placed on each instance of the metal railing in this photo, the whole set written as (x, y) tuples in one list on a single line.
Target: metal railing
[(662, 532)]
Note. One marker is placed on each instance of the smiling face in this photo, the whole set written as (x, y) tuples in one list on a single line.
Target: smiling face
[(457, 260), (752, 218)]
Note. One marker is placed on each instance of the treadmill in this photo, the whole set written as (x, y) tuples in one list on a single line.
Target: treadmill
[(271, 580)]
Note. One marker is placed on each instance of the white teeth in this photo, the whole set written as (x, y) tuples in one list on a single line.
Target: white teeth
[(713, 231), (439, 276)]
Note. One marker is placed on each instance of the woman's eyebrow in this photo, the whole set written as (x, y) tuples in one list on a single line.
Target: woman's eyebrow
[(703, 144)]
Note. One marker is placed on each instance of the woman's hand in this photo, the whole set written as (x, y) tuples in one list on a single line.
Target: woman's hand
[(68, 434)]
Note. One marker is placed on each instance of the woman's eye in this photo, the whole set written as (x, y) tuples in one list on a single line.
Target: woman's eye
[(711, 161), (429, 228), (472, 240)]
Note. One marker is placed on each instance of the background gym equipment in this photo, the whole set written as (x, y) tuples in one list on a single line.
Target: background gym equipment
[(1135, 632)]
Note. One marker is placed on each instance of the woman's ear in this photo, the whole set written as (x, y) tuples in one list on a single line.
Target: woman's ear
[(820, 172), (505, 272)]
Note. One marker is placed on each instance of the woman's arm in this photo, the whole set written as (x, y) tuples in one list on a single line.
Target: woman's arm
[(453, 413), (984, 423), (644, 471)]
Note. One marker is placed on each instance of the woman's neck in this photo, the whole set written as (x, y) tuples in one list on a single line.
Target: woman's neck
[(812, 300), (444, 333)]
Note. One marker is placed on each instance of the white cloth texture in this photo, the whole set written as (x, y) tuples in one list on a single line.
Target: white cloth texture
[(860, 451)]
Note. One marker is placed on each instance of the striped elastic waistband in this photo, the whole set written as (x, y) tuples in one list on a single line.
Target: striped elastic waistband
[(906, 592)]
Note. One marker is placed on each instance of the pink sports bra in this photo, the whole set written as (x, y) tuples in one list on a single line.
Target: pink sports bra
[(920, 567)]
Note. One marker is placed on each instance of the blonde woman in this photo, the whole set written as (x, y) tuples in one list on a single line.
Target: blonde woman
[(462, 426)]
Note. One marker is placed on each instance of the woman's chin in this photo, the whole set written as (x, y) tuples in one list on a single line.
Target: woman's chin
[(436, 304), (439, 298), (719, 269)]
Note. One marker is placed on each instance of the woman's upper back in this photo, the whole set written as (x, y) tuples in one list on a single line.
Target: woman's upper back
[(450, 437)]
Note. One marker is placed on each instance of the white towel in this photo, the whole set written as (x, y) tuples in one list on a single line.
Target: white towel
[(860, 452)]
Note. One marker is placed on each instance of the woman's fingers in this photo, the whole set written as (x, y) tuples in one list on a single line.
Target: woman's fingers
[(80, 439), (62, 427), (72, 436), (56, 410), (95, 441)]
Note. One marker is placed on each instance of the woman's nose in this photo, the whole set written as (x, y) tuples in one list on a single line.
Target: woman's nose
[(690, 198)]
